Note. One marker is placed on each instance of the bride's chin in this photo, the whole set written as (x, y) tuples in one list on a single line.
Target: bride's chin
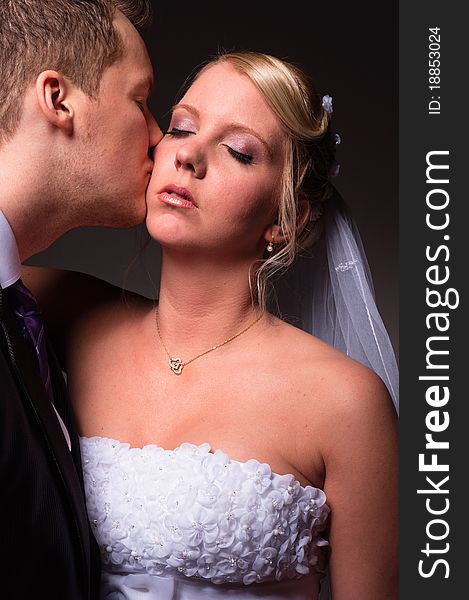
[(168, 237), (161, 228)]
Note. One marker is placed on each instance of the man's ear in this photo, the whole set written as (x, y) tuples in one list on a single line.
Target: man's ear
[(274, 233), (53, 90)]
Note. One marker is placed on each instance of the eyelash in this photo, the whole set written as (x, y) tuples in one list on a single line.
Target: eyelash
[(244, 159), (178, 132), (141, 105)]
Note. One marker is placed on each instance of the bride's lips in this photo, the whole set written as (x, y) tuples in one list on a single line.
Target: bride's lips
[(179, 197)]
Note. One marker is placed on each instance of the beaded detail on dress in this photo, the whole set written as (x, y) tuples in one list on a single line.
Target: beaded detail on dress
[(200, 514)]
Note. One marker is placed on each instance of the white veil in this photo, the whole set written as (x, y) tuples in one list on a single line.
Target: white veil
[(329, 293)]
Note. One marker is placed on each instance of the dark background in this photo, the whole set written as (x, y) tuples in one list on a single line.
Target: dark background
[(350, 51)]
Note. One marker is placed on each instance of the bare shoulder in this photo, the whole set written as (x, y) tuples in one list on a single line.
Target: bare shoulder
[(346, 433), (77, 307), (350, 420), (117, 313), (343, 396), (345, 422), (64, 295)]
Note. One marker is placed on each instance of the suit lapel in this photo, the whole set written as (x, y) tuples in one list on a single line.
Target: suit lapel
[(35, 394)]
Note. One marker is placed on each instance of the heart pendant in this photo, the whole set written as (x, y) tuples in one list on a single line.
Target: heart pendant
[(176, 365)]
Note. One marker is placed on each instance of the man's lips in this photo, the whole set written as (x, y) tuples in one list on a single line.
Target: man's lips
[(177, 196)]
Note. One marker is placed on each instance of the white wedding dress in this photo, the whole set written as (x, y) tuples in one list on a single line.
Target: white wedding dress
[(189, 524)]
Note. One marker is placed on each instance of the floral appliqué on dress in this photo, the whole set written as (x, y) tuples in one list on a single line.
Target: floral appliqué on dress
[(200, 514)]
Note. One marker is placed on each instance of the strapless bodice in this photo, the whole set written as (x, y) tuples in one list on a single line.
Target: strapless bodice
[(190, 518)]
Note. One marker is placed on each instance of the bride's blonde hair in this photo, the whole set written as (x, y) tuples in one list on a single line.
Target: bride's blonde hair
[(309, 155)]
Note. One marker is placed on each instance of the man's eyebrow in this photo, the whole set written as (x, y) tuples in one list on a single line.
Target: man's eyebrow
[(145, 83), (231, 127)]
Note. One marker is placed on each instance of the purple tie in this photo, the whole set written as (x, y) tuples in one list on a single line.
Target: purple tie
[(25, 307)]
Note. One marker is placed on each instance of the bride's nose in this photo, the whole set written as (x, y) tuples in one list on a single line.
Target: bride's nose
[(191, 156)]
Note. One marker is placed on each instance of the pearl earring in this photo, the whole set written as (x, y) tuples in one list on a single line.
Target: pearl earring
[(270, 245)]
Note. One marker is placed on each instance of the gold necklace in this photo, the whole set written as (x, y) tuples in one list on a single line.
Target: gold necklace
[(176, 364)]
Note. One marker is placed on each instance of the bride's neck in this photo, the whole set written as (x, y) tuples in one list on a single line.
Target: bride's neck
[(201, 303)]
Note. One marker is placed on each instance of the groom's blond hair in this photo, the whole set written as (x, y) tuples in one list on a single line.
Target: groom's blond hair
[(74, 37)]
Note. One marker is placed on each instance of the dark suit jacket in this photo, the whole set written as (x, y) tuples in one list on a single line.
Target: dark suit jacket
[(47, 548)]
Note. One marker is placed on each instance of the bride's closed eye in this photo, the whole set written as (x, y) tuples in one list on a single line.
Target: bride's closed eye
[(245, 159), (175, 132)]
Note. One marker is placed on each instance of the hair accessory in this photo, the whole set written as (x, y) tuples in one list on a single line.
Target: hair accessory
[(316, 213), (327, 103), (327, 106), (334, 170)]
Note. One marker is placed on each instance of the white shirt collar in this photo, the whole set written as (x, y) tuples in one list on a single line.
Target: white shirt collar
[(10, 264)]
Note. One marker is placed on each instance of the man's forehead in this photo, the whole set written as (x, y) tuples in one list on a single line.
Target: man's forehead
[(135, 60), (132, 40)]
